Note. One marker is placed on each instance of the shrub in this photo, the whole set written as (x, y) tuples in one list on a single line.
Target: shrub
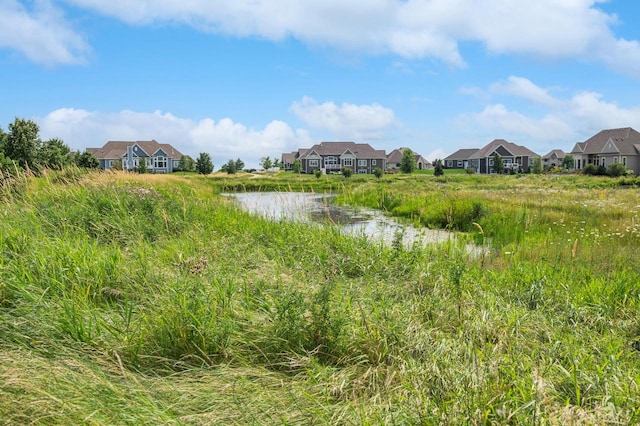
[(318, 173), (346, 172), (616, 170), (377, 172), (470, 170), (590, 169)]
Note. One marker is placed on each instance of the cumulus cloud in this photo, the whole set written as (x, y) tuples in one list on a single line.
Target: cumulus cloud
[(223, 139), (346, 121), (564, 120), (409, 28), (41, 34)]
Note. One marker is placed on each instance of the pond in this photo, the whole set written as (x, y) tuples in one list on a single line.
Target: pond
[(317, 208)]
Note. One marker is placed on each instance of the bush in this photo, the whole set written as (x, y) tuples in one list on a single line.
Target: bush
[(590, 169), (470, 170), (377, 172), (318, 173), (346, 172), (616, 170)]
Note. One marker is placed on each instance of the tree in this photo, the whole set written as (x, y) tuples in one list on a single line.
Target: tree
[(54, 154), (377, 172), (87, 160), (266, 163), (204, 165), (438, 168), (277, 164), (230, 167), (408, 161), (296, 166), (22, 144), (187, 164), (239, 165), (142, 165), (568, 162), (536, 168), (3, 140), (498, 163)]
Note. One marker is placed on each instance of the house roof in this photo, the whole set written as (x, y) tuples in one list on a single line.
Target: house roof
[(117, 149), (516, 150), (623, 140), (360, 150), (289, 157), (462, 154), (558, 153), (395, 156)]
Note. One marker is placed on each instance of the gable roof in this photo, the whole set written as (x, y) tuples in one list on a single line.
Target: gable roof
[(557, 152), (117, 149), (624, 140), (395, 156), (462, 154), (515, 150), (360, 150)]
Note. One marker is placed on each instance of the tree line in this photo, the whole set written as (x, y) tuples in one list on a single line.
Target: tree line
[(22, 148)]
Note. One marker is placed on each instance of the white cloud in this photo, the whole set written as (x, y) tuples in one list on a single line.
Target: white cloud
[(564, 120), (42, 34), (223, 139), (552, 29), (347, 121)]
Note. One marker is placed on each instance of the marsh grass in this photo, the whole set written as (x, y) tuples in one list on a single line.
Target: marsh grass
[(140, 299)]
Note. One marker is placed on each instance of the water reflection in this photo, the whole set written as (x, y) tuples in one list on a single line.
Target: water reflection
[(309, 207)]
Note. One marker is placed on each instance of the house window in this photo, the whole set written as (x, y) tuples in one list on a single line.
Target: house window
[(624, 160), (459, 163), (449, 163), (313, 163), (331, 161), (491, 161), (615, 159), (362, 171), (347, 162), (362, 163), (604, 161), (373, 162), (160, 162)]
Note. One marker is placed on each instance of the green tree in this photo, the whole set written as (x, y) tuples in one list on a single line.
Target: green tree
[(204, 165), (187, 164), (296, 166), (277, 164), (230, 167), (3, 140), (438, 168), (22, 144), (87, 160), (378, 172), (568, 162), (318, 173), (498, 163), (536, 168), (142, 165), (54, 154), (408, 161), (266, 163), (239, 165)]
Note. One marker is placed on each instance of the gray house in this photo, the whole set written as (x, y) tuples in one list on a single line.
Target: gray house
[(330, 157), (159, 157), (607, 147), (515, 157)]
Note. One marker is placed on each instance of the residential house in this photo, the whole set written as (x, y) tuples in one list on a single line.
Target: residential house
[(553, 159), (459, 159), (159, 157), (395, 157), (607, 147), (287, 160), (515, 157), (330, 157)]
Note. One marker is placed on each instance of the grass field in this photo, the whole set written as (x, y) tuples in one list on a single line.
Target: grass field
[(149, 299)]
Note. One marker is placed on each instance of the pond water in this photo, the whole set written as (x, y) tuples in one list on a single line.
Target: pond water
[(317, 208)]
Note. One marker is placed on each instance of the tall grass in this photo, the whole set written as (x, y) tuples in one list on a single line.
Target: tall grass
[(149, 299)]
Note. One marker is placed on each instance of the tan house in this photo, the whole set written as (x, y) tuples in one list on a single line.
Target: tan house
[(607, 147), (395, 158), (158, 157), (553, 159)]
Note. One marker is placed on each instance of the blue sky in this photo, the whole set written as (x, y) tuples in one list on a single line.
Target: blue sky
[(254, 78)]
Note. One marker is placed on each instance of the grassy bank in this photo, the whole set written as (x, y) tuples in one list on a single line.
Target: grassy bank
[(129, 299)]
